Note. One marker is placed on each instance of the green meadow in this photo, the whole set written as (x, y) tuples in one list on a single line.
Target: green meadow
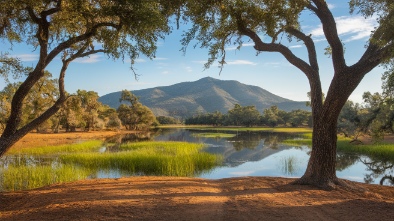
[(81, 161)]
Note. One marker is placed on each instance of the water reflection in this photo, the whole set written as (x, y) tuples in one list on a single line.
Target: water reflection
[(246, 154), (381, 170)]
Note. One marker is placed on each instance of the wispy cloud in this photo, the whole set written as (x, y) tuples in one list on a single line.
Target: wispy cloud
[(94, 58), (189, 69), (165, 72), (349, 28), (296, 46), (331, 6), (232, 48), (26, 57), (240, 62)]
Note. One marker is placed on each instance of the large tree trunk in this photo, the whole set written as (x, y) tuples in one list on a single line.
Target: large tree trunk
[(321, 166)]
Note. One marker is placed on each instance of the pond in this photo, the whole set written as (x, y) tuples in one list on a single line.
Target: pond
[(242, 153), (257, 153)]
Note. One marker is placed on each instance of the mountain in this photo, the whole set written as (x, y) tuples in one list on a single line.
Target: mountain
[(205, 95)]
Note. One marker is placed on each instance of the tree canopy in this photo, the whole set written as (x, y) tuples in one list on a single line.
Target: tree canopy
[(73, 29), (218, 23)]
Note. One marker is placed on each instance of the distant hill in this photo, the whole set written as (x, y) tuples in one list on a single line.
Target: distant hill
[(205, 95)]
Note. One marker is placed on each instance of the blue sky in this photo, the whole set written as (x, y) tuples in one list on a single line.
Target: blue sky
[(270, 71)]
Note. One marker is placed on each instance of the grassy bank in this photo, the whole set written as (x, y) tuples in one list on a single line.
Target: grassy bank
[(381, 151), (26, 169), (86, 146)]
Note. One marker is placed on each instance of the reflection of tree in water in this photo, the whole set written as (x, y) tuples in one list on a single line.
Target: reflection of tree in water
[(379, 168), (272, 141), (245, 140), (345, 160), (113, 142)]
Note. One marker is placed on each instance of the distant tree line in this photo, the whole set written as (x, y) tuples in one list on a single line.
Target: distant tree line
[(81, 111), (249, 116), (375, 117)]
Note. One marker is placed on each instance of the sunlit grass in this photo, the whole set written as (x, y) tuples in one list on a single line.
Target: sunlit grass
[(382, 151), (150, 158), (29, 177), (214, 135), (86, 146)]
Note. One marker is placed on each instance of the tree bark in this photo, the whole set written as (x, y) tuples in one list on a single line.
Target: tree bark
[(321, 166)]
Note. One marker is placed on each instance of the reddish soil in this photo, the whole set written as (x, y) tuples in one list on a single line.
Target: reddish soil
[(169, 198)]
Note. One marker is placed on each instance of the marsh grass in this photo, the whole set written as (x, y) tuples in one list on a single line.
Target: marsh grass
[(214, 135), (150, 158), (28, 177), (86, 146), (381, 151), (289, 165)]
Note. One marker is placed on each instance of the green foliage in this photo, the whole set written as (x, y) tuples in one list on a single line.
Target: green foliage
[(383, 10), (74, 29), (42, 96), (217, 23), (167, 120), (135, 116), (11, 66)]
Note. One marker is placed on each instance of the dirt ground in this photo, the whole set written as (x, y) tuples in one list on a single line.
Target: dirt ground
[(169, 198)]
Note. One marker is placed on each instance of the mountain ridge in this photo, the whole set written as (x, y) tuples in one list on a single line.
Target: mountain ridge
[(205, 95)]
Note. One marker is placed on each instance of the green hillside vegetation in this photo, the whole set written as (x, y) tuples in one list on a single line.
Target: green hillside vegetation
[(204, 96)]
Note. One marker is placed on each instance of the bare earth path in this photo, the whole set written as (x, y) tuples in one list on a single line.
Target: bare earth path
[(169, 198)]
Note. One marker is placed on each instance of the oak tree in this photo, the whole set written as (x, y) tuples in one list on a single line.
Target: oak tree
[(218, 23), (73, 29)]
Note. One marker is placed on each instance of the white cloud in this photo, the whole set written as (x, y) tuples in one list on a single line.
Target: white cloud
[(330, 6), (189, 69), (296, 46), (240, 62), (349, 28), (232, 48), (165, 72), (94, 58), (27, 57)]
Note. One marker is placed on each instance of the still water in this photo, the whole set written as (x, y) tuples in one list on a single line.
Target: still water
[(263, 154), (244, 154)]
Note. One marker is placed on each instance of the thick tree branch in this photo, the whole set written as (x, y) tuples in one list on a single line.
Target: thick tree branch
[(310, 45), (275, 47), (33, 15), (331, 33)]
